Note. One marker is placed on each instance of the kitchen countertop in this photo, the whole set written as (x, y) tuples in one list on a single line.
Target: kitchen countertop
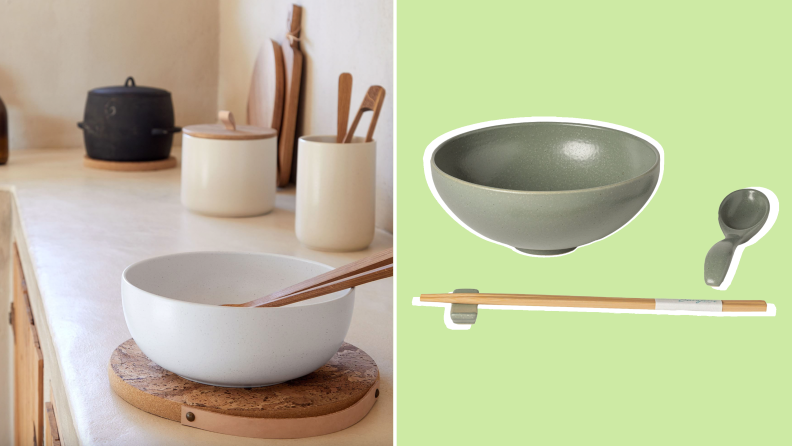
[(82, 227)]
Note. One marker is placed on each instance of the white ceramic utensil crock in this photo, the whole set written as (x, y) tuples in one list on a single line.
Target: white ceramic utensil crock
[(172, 308), (335, 193), (229, 170)]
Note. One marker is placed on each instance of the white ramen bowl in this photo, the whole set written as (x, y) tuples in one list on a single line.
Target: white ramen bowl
[(172, 308)]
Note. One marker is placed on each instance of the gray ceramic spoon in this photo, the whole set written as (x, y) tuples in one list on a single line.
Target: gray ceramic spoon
[(741, 216)]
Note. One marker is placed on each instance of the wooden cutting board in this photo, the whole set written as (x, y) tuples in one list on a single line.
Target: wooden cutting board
[(267, 88), (293, 64), (332, 398)]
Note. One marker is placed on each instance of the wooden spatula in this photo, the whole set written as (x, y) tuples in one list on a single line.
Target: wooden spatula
[(344, 99), (372, 102), (372, 262)]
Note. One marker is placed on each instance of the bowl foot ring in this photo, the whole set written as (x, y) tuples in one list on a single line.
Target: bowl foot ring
[(319, 403), (546, 252)]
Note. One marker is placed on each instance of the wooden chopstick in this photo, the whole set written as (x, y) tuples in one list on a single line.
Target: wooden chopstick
[(347, 282), (371, 262), (539, 300)]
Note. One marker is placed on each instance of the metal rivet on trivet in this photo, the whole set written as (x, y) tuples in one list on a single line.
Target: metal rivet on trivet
[(376, 394), (190, 416)]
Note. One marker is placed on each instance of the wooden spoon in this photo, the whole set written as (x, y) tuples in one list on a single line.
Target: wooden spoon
[(378, 260), (372, 102), (344, 100)]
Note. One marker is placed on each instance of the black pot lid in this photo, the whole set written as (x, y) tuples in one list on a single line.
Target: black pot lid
[(129, 88)]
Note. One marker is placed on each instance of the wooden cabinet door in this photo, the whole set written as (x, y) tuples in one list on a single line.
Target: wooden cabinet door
[(28, 367), (53, 437)]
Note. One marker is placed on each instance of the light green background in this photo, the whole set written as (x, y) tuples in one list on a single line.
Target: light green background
[(711, 83)]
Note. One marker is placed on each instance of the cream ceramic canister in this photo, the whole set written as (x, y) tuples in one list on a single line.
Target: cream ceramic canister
[(229, 170), (335, 193)]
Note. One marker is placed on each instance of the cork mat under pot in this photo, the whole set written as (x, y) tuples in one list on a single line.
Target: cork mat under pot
[(130, 166), (330, 399)]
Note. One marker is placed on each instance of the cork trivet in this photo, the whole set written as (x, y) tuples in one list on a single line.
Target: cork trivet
[(337, 385), (130, 166)]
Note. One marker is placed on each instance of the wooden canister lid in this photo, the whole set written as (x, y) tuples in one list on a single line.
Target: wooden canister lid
[(228, 129)]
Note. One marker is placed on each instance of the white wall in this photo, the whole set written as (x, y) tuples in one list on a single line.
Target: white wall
[(355, 36), (52, 52)]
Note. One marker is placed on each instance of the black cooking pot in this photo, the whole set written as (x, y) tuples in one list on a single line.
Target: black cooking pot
[(128, 123)]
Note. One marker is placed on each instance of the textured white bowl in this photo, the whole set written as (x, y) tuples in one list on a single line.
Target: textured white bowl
[(171, 306)]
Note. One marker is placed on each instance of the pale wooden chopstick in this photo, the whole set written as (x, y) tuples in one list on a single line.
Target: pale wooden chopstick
[(347, 282), (371, 262), (539, 300)]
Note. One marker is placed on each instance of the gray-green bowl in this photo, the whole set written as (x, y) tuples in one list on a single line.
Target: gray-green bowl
[(544, 186)]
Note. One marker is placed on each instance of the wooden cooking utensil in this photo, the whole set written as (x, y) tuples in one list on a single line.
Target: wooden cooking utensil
[(538, 300), (372, 102), (344, 99), (293, 63), (267, 88), (375, 116), (372, 262)]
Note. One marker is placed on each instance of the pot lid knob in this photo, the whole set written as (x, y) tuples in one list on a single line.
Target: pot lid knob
[(130, 82), (227, 118)]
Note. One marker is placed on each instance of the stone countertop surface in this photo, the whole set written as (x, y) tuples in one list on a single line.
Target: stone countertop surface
[(84, 226)]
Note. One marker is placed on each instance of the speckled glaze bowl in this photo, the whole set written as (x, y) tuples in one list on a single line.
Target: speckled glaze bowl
[(172, 308), (544, 186)]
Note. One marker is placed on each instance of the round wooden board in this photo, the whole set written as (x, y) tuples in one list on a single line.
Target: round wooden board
[(267, 88), (349, 376), (130, 166)]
